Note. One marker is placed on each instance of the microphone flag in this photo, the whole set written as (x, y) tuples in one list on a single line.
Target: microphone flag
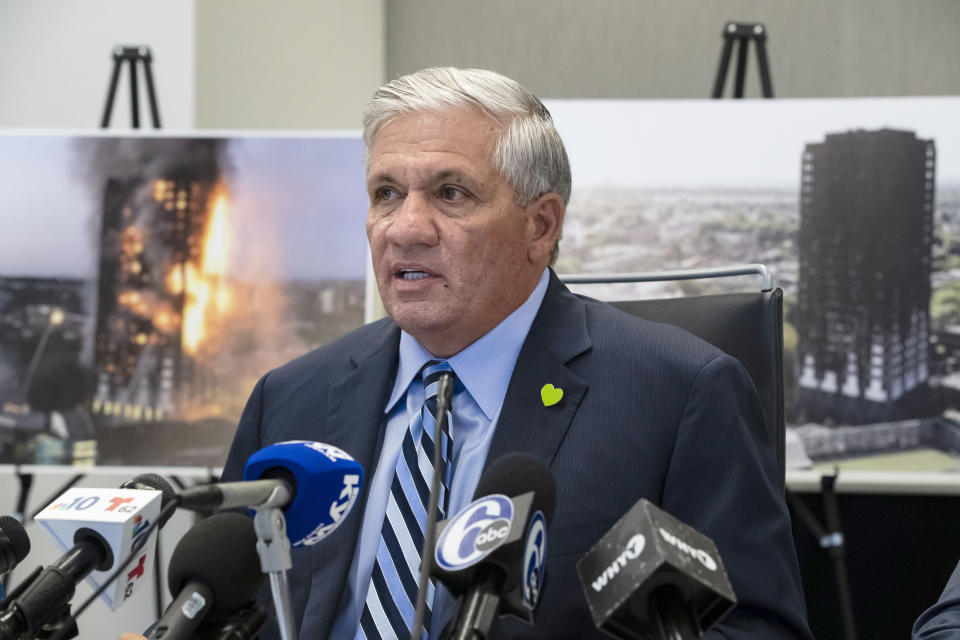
[(645, 550), (325, 482), (118, 518)]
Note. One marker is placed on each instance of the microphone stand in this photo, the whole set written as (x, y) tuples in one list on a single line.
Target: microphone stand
[(478, 610), (64, 628), (273, 547), (444, 394), (672, 616), (242, 625)]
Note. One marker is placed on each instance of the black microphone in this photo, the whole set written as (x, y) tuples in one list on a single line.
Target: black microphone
[(652, 576), (493, 552), (14, 543), (52, 590), (243, 625), (152, 481), (214, 573)]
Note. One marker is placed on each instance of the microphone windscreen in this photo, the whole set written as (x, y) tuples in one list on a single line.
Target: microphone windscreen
[(19, 540), (325, 481), (221, 552), (157, 483), (518, 473)]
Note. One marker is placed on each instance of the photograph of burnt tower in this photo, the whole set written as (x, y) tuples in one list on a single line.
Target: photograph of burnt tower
[(863, 313), (157, 280)]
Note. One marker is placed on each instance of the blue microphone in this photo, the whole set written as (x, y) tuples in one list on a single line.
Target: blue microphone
[(315, 484), (300, 491), (324, 483)]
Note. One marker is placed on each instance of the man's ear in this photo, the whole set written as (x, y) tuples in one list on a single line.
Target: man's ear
[(544, 224)]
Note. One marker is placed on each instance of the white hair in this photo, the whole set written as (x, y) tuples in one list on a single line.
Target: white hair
[(529, 153)]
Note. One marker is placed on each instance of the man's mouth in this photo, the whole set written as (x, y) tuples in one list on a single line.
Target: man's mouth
[(412, 274)]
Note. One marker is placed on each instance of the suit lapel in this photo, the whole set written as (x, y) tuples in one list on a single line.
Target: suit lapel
[(356, 402), (558, 334), (356, 416)]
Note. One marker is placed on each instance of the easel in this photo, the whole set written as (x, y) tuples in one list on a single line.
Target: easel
[(743, 33), (830, 537), (133, 55)]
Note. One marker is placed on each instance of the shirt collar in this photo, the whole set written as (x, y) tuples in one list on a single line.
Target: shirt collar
[(484, 367)]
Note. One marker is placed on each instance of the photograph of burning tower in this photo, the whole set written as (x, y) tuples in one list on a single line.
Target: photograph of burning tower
[(147, 292), (162, 268)]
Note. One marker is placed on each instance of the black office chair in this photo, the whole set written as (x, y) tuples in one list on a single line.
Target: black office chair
[(747, 326)]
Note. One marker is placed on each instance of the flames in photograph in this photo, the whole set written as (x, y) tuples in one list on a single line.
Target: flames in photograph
[(203, 282)]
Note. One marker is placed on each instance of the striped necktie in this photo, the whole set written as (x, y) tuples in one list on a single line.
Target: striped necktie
[(388, 611)]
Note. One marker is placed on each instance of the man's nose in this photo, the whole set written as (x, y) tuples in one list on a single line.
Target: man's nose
[(413, 222)]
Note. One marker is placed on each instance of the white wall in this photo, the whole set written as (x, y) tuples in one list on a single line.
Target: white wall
[(55, 61), (287, 64)]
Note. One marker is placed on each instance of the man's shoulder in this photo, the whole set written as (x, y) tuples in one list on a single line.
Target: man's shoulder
[(337, 357), (621, 336)]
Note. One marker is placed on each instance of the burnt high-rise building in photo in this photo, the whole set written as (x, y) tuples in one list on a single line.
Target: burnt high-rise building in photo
[(866, 225), (156, 219)]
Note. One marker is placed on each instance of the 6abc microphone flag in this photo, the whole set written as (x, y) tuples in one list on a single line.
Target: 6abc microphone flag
[(492, 553)]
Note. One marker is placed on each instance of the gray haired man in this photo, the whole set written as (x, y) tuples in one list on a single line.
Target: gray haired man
[(468, 183)]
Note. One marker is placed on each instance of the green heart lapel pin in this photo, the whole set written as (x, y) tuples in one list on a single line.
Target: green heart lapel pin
[(550, 395)]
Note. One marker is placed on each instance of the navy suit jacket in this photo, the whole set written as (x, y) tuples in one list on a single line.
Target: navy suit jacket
[(942, 620), (648, 411)]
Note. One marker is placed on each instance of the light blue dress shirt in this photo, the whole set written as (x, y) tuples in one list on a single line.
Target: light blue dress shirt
[(484, 369)]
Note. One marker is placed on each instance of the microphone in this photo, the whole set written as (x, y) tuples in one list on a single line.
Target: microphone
[(493, 552), (243, 625), (315, 484), (652, 576), (103, 526), (154, 482), (214, 573), (14, 543)]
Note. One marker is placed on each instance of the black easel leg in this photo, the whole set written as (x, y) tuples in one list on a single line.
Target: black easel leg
[(134, 99), (721, 77), (151, 94), (831, 513), (111, 92), (765, 81), (741, 67)]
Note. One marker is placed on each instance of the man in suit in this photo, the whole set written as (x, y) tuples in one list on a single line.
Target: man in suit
[(468, 183)]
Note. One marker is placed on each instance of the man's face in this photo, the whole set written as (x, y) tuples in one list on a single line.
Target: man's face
[(452, 252)]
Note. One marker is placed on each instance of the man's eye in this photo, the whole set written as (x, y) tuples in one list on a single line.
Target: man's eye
[(451, 193), (385, 194)]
